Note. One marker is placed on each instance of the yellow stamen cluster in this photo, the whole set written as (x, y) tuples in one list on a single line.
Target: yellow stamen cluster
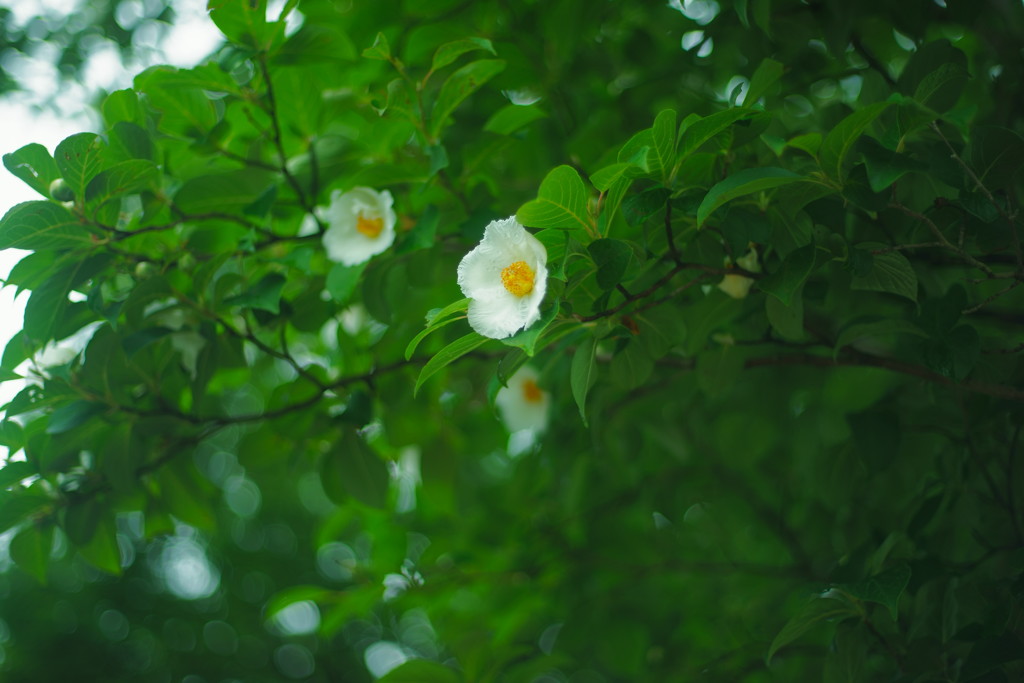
[(531, 392), (517, 278), (371, 227)]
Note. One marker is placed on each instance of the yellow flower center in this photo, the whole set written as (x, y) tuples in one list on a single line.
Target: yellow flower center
[(370, 227), (531, 392), (517, 278)]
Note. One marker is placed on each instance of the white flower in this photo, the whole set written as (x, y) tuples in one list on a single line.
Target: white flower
[(523, 404), (738, 286), (505, 276), (360, 224)]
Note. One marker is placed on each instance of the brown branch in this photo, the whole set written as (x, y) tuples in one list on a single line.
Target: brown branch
[(983, 267), (278, 138)]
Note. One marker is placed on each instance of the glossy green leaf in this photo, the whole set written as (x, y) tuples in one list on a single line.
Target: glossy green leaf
[(583, 373), (700, 131), (33, 164), (80, 158), (441, 318), (457, 349), (45, 310), (561, 202), (460, 85), (449, 52), (527, 339), (742, 183), (222, 193), (43, 225), (126, 177), (265, 295), (246, 23), (837, 144), (663, 135), (765, 76)]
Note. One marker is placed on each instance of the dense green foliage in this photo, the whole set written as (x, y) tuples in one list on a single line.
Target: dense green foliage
[(255, 467)]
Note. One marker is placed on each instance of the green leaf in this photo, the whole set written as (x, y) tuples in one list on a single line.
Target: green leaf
[(885, 588), (39, 225), (700, 131), (101, 550), (421, 671), (808, 142), (612, 258), (840, 139), (935, 76), (129, 141), (13, 472), (995, 154), (362, 474), (246, 23), (342, 281), (380, 50), (33, 164), (222, 193), (123, 106), (527, 339), (449, 52), (436, 322), (9, 375), (742, 183), (127, 177), (561, 202), (817, 611), (583, 373), (80, 158), (459, 86), (785, 281), (46, 308), (511, 118), (663, 135), (265, 295), (767, 73), (18, 505), (72, 415), (607, 176), (457, 349), (878, 328), (30, 550), (890, 272), (884, 166)]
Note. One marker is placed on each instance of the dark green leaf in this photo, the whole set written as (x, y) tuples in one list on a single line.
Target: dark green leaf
[(742, 183), (697, 133), (612, 258), (513, 117), (583, 373), (767, 73), (223, 192), (785, 281), (72, 415), (890, 272), (459, 86), (815, 613), (840, 139), (527, 339), (265, 295), (449, 52), (358, 469), (458, 348), (30, 550), (885, 588), (80, 158)]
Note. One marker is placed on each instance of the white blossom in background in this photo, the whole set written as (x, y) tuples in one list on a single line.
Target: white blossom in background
[(522, 404), (738, 286), (360, 224), (505, 276)]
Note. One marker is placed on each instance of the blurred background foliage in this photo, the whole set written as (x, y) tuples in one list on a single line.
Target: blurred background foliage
[(226, 476)]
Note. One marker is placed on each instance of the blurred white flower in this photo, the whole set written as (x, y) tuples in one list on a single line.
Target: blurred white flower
[(523, 404), (360, 224), (738, 286), (505, 276)]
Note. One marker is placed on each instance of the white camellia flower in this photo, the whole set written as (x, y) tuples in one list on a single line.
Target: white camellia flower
[(738, 286), (360, 224), (523, 404), (505, 276)]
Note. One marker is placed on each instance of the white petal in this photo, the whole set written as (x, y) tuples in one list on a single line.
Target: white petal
[(496, 318), (342, 241), (517, 412)]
